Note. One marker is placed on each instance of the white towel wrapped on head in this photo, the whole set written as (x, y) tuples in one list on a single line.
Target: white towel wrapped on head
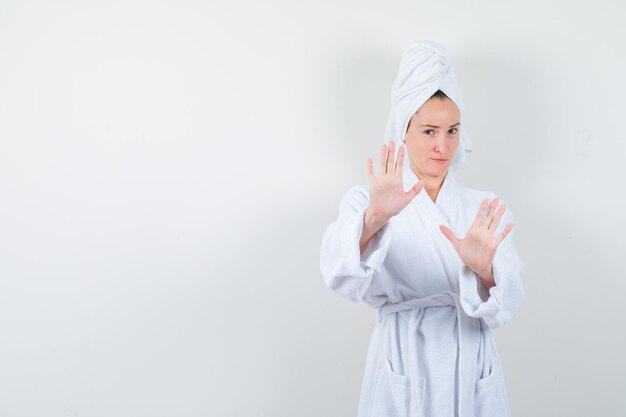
[(425, 67)]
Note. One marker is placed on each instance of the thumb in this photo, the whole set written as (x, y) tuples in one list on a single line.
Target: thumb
[(449, 234), (415, 190)]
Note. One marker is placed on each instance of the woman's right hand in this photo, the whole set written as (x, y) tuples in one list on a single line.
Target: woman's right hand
[(387, 195)]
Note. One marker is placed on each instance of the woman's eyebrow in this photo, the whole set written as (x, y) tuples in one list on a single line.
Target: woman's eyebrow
[(456, 124)]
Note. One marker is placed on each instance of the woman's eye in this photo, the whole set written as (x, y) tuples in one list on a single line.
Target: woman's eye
[(452, 131), (429, 131)]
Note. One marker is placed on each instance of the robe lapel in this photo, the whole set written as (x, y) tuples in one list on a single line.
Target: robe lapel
[(440, 210), (438, 213)]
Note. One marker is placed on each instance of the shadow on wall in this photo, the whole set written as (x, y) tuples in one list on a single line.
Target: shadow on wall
[(504, 106), (282, 336), (319, 340)]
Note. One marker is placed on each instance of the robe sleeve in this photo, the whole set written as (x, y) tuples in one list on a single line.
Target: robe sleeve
[(346, 271), (497, 305)]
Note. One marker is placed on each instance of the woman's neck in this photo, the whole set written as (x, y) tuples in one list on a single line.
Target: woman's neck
[(433, 187), (432, 184)]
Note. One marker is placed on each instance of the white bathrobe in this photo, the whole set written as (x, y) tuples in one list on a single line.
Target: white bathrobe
[(431, 353)]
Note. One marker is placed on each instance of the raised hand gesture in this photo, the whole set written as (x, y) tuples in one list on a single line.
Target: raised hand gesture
[(387, 195), (478, 248)]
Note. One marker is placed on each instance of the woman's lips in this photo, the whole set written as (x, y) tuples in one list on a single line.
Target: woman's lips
[(439, 161)]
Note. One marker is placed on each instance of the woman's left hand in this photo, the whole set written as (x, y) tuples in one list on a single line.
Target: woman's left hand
[(479, 245)]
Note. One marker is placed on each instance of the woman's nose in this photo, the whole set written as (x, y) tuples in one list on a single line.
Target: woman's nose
[(440, 146)]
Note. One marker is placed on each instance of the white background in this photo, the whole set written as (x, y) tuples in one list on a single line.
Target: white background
[(167, 170)]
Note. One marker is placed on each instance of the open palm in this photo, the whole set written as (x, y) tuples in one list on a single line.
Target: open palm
[(478, 248), (387, 195)]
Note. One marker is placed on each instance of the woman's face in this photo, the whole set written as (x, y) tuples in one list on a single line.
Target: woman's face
[(432, 137)]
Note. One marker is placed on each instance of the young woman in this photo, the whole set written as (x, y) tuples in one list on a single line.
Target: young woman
[(435, 258)]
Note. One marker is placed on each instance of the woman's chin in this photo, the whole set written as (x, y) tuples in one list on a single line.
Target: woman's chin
[(439, 171), (433, 170)]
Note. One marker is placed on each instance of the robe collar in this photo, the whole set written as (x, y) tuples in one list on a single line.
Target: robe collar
[(446, 198)]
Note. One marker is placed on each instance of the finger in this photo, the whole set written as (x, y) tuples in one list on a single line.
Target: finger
[(415, 190), (449, 234), (400, 161), (491, 213), (496, 221), (383, 160), (481, 213), (505, 232), (390, 157), (370, 168)]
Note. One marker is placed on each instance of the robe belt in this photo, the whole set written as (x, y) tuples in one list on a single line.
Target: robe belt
[(446, 298)]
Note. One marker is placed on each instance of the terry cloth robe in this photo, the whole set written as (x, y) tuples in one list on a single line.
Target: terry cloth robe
[(431, 353)]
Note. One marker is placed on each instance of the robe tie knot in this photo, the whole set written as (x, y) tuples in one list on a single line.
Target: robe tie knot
[(446, 298)]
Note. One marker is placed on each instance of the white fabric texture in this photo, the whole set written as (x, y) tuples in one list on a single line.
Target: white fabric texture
[(431, 352)]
